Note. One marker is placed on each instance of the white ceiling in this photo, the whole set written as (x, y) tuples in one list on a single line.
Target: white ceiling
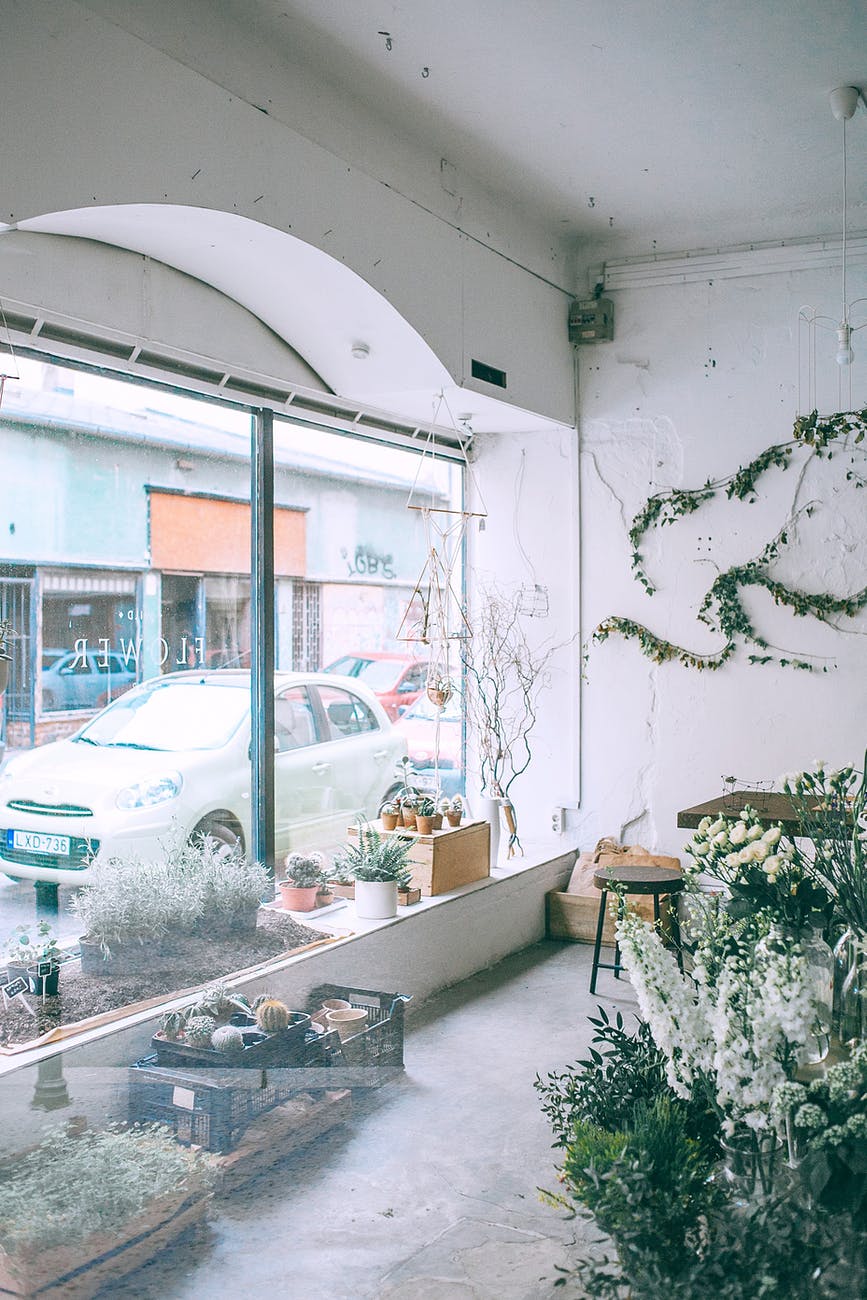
[(638, 124)]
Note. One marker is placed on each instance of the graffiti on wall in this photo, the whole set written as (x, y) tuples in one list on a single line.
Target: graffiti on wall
[(368, 563)]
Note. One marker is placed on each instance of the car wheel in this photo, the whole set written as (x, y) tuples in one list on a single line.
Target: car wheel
[(226, 840), (389, 797)]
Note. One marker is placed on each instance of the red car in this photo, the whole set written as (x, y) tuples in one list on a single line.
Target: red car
[(396, 679)]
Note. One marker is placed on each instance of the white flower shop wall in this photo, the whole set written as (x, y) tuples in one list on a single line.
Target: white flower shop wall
[(700, 379)]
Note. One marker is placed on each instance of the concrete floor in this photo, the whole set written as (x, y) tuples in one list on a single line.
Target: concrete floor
[(430, 1192)]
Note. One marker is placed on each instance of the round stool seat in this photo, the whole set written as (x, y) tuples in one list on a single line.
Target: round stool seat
[(639, 880)]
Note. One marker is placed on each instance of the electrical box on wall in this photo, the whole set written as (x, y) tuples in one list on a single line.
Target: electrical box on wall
[(591, 320)]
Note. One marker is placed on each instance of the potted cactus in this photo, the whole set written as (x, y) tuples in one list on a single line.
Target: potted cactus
[(455, 810), (389, 814), (379, 867), (424, 816), (203, 1034), (304, 877), (408, 805)]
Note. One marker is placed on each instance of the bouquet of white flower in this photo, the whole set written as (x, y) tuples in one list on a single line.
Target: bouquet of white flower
[(734, 1029), (761, 869)]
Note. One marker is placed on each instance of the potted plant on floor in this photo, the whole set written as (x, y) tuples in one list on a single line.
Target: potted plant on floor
[(379, 868), (34, 954), (304, 877)]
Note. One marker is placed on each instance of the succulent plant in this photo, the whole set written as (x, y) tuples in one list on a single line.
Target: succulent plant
[(221, 1002), (172, 1024), (376, 858), (304, 869), (272, 1016), (425, 807), (198, 1031), (228, 1039)]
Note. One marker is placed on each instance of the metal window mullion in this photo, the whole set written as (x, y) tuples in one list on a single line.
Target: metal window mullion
[(262, 638)]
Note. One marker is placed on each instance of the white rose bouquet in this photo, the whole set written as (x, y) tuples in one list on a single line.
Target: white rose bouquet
[(761, 870)]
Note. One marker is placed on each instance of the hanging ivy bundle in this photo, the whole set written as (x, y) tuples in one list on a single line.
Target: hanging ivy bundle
[(722, 607)]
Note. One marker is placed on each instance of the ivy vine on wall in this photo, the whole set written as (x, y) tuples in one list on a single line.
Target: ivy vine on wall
[(722, 608)]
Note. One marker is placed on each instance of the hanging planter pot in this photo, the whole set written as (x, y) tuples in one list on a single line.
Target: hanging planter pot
[(439, 691), (375, 900)]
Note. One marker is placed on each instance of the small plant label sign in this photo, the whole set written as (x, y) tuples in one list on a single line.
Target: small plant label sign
[(184, 1098), (14, 988)]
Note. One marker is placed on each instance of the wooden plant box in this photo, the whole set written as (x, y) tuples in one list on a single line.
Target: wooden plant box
[(280, 1131), (78, 1270), (446, 859), (574, 916), (405, 897)]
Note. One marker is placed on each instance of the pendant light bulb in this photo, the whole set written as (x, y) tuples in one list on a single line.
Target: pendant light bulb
[(845, 356)]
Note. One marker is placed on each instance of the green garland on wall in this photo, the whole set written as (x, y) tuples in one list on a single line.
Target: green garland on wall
[(722, 607)]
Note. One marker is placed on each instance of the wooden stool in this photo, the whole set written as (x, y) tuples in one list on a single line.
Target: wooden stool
[(655, 881)]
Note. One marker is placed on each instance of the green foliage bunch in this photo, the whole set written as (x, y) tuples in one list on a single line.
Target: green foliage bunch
[(128, 899), (640, 1162), (831, 807), (373, 857), (33, 945), (826, 1121), (722, 607), (72, 1186)]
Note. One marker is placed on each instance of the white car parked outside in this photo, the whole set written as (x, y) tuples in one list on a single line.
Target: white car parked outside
[(171, 758)]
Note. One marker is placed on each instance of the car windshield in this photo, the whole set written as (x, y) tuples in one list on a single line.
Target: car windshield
[(425, 709), (50, 657), (172, 716), (378, 674)]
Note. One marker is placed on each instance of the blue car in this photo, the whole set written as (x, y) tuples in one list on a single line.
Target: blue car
[(83, 679)]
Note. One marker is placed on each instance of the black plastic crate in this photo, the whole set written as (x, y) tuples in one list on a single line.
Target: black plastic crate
[(208, 1108), (381, 1040), (288, 1047)]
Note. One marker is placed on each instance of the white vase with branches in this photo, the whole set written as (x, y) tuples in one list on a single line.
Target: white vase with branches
[(504, 675)]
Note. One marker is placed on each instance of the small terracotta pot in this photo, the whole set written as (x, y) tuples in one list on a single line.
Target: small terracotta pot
[(424, 825), (438, 821), (332, 1004), (389, 821), (294, 899), (324, 897), (409, 818), (454, 819), (348, 1023)]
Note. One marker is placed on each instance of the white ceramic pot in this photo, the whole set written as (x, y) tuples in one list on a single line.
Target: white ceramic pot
[(375, 900)]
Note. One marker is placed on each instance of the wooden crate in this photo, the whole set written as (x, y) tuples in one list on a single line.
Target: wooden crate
[(446, 859), (574, 916)]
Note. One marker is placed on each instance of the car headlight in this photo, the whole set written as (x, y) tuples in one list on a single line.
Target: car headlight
[(153, 790)]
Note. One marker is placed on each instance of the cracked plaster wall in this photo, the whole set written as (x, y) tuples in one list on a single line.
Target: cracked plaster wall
[(700, 379)]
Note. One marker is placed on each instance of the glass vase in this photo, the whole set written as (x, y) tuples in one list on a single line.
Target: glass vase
[(821, 966), (751, 1163), (850, 988)]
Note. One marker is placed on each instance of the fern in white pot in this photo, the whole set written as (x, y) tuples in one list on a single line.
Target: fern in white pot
[(379, 868)]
